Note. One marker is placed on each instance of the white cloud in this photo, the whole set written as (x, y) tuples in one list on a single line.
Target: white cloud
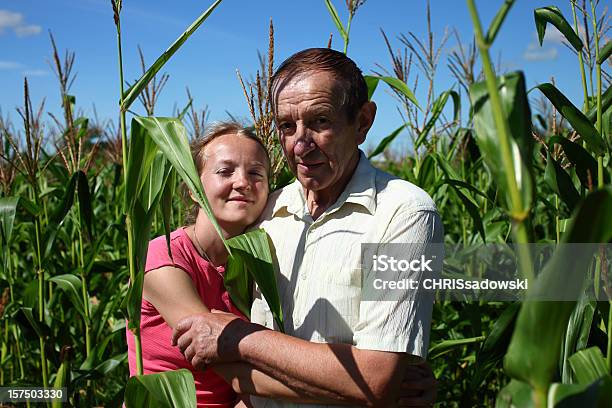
[(16, 22), (9, 65), (555, 36), (35, 72), (536, 53), (26, 30)]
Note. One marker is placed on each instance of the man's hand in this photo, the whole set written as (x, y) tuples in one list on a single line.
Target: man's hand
[(419, 386), (209, 338)]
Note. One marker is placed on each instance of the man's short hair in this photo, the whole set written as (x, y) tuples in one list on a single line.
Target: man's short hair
[(352, 83)]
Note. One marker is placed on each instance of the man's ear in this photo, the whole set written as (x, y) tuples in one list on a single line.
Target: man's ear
[(365, 119)]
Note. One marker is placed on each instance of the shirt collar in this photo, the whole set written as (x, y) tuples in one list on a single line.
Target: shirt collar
[(360, 190)]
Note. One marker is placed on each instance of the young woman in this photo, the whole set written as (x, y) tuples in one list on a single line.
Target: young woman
[(233, 165)]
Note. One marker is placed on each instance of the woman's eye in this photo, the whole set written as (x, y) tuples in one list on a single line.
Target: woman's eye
[(224, 172)]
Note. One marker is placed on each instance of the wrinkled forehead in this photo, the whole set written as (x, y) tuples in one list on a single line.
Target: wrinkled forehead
[(305, 82)]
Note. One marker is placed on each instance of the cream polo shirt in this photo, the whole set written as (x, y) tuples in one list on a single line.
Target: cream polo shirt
[(319, 271)]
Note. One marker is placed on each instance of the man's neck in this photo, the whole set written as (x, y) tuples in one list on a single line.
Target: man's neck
[(319, 201)]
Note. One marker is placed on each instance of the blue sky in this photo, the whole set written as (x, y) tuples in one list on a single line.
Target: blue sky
[(230, 39)]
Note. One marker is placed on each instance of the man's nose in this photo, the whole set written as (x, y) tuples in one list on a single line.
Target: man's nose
[(303, 142)]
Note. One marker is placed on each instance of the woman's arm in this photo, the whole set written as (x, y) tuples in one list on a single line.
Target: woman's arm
[(172, 293)]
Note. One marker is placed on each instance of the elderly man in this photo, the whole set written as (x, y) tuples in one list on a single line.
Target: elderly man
[(340, 347)]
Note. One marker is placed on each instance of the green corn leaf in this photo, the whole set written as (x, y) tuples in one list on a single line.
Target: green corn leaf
[(577, 334), (474, 212), (495, 346), (171, 138), (516, 108), (498, 20), (105, 367), (154, 181), (436, 111), (334, 15), (426, 172), (62, 377), (447, 346), (251, 260), (162, 390), (597, 394), (584, 164), (141, 155), (386, 142), (8, 208), (166, 207), (604, 53), (59, 215), (515, 394), (401, 87), (39, 327), (577, 119), (552, 15), (534, 350), (72, 286), (561, 182), (132, 93), (85, 202), (372, 83), (181, 115), (606, 102), (588, 365)]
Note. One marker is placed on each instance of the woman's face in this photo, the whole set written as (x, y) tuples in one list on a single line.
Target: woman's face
[(235, 180)]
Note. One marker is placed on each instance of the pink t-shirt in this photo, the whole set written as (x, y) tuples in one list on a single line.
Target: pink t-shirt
[(157, 352)]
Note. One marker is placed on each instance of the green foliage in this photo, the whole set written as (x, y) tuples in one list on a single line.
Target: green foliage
[(162, 390)]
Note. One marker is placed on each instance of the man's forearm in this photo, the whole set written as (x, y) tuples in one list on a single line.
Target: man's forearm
[(335, 372), (246, 379)]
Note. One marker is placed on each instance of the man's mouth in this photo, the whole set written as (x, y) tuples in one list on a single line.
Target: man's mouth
[(309, 166)]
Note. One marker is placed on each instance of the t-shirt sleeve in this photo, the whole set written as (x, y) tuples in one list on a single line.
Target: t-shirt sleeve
[(158, 257), (400, 320)]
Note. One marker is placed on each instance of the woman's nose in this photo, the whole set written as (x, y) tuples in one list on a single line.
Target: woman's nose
[(241, 180)]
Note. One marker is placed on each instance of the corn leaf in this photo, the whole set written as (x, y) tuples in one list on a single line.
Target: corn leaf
[(132, 93), (473, 210), (561, 183), (447, 346), (85, 203), (606, 102), (426, 172), (401, 87), (495, 345), (588, 365), (372, 83), (535, 347), (59, 215), (577, 334), (518, 115), (336, 18), (577, 119), (552, 15), (251, 260), (162, 390), (141, 155), (498, 20), (515, 394), (8, 208), (386, 142), (166, 207), (436, 111), (604, 52), (597, 394), (62, 378), (171, 138), (72, 286), (584, 164)]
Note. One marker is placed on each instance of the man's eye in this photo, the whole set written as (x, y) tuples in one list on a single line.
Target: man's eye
[(285, 127)]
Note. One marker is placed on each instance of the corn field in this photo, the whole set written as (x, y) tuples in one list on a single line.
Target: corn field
[(503, 163)]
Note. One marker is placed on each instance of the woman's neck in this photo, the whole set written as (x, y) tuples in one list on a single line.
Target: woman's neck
[(207, 241)]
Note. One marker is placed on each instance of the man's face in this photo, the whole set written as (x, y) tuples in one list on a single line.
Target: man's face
[(319, 141)]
